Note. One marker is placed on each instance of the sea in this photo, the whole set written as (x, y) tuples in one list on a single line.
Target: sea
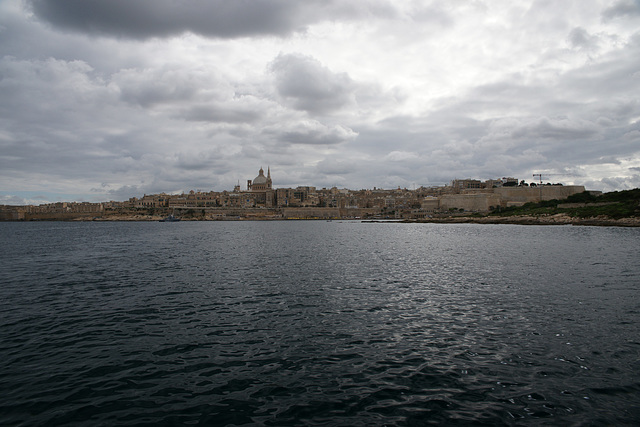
[(318, 323)]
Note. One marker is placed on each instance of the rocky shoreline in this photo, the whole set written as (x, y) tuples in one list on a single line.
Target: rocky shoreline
[(557, 219)]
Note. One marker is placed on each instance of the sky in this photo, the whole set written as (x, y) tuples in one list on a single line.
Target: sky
[(111, 99)]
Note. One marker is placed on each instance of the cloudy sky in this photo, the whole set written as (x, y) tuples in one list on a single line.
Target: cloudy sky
[(110, 99)]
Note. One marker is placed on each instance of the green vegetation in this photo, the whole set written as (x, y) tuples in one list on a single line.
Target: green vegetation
[(615, 205)]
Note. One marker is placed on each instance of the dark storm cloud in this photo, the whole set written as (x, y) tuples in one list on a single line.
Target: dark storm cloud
[(143, 19), (305, 84), (161, 18)]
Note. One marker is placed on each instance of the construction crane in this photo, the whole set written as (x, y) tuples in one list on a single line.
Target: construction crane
[(539, 176)]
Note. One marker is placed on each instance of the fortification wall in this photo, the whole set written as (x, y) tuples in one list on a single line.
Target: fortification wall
[(535, 194), (303, 213), (430, 204), (470, 202), (235, 212), (358, 212), (57, 216), (11, 215)]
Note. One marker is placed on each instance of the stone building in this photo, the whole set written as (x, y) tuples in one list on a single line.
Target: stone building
[(262, 189)]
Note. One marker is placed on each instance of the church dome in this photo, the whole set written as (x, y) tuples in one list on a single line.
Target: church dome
[(260, 179)]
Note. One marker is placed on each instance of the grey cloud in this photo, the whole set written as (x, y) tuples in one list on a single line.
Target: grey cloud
[(622, 8), (222, 113), (47, 106), (143, 19), (610, 78), (153, 93), (632, 135), (235, 109), (356, 172), (434, 153), (311, 132), (161, 18), (121, 193), (334, 167), (615, 183), (207, 159), (199, 95), (556, 128), (432, 14), (23, 37), (503, 140), (305, 84), (580, 38), (188, 113), (59, 120), (150, 87), (11, 199)]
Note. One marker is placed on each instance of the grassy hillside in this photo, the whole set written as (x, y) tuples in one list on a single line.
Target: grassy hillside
[(616, 205)]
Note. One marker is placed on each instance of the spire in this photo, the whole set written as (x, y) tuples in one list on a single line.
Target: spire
[(269, 172)]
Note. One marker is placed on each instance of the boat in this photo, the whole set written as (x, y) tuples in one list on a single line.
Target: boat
[(170, 218)]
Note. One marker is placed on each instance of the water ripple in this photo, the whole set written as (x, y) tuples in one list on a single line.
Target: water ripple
[(248, 323)]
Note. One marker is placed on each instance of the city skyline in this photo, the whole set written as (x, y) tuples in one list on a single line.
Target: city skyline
[(248, 186), (107, 100), (261, 200)]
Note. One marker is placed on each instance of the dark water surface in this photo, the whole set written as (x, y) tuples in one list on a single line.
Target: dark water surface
[(318, 323)]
